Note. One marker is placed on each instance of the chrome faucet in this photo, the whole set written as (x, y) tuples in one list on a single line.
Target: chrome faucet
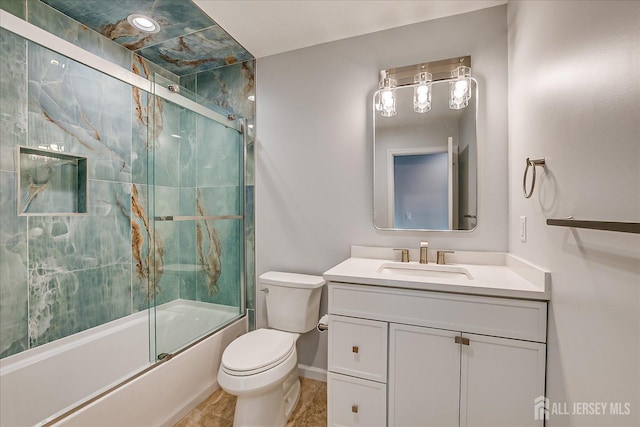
[(423, 252)]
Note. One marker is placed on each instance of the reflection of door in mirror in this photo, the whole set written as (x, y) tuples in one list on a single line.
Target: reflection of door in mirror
[(403, 144), (423, 181)]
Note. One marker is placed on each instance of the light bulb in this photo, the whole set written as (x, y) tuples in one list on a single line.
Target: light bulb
[(461, 86), (422, 92), (387, 96), (460, 94), (143, 23), (422, 98)]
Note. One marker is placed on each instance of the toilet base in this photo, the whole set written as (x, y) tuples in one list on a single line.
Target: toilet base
[(291, 387), (270, 408)]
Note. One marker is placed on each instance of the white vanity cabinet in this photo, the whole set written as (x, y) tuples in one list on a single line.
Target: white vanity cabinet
[(444, 359)]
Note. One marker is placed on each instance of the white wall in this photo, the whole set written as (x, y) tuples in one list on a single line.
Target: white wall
[(574, 98), (314, 173)]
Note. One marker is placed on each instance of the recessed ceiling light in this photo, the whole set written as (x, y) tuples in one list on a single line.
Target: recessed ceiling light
[(143, 23), (251, 97)]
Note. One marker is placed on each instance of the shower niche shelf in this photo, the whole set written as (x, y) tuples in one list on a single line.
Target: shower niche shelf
[(51, 183)]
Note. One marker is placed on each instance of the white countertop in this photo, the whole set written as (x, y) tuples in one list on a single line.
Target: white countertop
[(493, 274)]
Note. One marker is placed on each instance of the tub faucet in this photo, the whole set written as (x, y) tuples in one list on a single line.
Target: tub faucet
[(423, 252)]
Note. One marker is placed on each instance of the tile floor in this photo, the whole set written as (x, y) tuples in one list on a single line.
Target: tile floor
[(217, 410)]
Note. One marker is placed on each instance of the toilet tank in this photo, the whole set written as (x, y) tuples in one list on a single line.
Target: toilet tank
[(293, 300)]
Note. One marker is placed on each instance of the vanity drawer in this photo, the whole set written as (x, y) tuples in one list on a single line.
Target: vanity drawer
[(358, 347), (500, 317), (355, 402)]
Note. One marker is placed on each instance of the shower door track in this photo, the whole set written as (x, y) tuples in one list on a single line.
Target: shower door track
[(50, 41)]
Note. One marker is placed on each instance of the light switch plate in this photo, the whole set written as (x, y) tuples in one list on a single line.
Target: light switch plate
[(523, 228)]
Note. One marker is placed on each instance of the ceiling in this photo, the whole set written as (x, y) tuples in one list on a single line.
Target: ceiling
[(268, 27)]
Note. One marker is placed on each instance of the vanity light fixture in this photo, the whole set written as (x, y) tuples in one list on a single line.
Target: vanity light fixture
[(460, 88), (143, 23), (387, 95), (456, 71), (422, 92)]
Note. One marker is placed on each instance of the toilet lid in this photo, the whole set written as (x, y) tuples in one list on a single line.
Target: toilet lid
[(258, 351)]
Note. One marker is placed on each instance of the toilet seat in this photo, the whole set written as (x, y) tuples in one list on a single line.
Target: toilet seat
[(258, 351)]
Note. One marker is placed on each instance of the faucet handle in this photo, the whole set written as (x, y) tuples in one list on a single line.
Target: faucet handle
[(404, 253), (424, 246), (440, 256)]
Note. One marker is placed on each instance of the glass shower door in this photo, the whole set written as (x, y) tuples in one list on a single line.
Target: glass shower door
[(196, 175)]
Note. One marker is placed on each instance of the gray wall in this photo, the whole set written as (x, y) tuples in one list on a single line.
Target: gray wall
[(574, 99), (314, 172)]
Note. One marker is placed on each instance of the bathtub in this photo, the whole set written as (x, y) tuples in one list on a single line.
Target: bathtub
[(40, 385)]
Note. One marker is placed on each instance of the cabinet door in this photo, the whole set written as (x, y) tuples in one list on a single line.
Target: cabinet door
[(501, 378), (424, 377), (355, 402)]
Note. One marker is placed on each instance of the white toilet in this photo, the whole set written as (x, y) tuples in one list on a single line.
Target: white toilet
[(261, 367)]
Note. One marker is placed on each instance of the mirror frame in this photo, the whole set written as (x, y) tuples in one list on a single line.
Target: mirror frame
[(475, 94)]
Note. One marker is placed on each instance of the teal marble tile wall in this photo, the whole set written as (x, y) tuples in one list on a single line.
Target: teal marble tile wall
[(174, 143), (82, 110), (225, 290), (14, 291), (229, 88), (13, 97), (15, 7), (202, 258), (250, 249), (62, 274), (80, 267), (61, 25)]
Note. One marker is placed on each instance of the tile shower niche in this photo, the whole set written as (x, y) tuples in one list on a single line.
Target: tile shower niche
[(51, 183)]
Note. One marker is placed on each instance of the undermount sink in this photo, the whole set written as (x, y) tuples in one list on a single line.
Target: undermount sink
[(425, 270)]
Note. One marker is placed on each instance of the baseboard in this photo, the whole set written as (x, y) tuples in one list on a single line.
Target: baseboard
[(313, 373)]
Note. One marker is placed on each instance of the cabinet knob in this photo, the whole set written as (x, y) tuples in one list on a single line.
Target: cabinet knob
[(354, 409), (354, 349)]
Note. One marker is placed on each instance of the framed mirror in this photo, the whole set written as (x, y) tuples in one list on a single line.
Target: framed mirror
[(425, 164)]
